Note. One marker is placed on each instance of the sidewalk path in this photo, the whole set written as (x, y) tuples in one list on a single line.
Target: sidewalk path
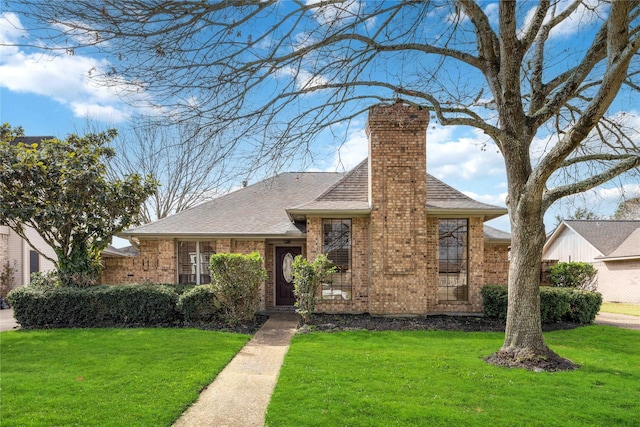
[(620, 320), (241, 392), (7, 321)]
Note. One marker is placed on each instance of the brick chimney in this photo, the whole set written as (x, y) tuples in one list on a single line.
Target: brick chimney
[(397, 196)]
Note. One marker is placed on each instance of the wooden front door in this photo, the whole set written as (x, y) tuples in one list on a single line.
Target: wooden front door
[(284, 274)]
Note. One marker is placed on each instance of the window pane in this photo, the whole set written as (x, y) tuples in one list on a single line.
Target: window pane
[(453, 260), (206, 250), (337, 247), (34, 262), (187, 262)]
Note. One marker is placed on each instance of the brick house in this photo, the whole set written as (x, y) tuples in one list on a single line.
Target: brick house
[(404, 242)]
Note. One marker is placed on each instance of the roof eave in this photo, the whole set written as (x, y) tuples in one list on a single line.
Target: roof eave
[(301, 214), (488, 214), (618, 258), (497, 241), (202, 236)]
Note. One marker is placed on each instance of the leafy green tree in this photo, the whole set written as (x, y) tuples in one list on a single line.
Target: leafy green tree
[(58, 187)]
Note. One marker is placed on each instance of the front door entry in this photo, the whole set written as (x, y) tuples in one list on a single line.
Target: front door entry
[(284, 274)]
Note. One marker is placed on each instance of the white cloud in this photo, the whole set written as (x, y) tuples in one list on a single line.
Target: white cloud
[(351, 153), (627, 191), (11, 31), (82, 37), (491, 10), (585, 15), (492, 199), (330, 14), (67, 79), (104, 113), (463, 157), (303, 78)]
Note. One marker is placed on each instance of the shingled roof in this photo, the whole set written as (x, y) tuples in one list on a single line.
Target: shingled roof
[(278, 206), (615, 240), (351, 195), (256, 210), (348, 195)]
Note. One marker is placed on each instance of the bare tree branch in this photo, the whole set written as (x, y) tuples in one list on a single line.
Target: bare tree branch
[(551, 196)]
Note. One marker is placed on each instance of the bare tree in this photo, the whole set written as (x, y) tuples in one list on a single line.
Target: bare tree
[(188, 162), (628, 209), (281, 73)]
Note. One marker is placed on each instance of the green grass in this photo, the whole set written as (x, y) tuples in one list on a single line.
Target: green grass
[(107, 377), (439, 378), (621, 308)]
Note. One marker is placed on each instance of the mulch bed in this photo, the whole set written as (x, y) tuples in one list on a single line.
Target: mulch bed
[(350, 322)]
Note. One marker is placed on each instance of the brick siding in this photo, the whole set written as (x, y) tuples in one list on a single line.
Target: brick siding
[(496, 264), (157, 263)]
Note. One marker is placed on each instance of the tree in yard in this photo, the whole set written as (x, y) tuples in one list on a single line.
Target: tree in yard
[(539, 78), (59, 189), (579, 213), (188, 161), (628, 209)]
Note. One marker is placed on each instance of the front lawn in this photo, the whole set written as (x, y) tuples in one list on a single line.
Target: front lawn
[(436, 378), (621, 308), (107, 377)]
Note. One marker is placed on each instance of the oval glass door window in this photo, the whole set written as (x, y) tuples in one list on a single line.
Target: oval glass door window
[(287, 269)]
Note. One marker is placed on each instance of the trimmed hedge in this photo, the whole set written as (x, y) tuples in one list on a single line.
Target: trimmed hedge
[(556, 304), (199, 305), (494, 301), (236, 280), (585, 305), (96, 306)]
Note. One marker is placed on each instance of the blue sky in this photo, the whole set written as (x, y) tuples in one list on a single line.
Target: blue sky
[(54, 96)]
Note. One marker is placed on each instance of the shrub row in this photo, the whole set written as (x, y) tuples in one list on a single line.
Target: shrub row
[(107, 306), (556, 304)]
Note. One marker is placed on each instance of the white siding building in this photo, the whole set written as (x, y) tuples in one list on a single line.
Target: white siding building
[(26, 259), (613, 247)]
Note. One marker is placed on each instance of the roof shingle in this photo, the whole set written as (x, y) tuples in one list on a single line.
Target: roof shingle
[(605, 235)]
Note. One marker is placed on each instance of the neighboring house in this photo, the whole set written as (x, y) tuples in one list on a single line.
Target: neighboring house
[(613, 247), (16, 251), (404, 243)]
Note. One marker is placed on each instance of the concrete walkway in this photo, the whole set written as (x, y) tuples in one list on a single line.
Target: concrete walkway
[(7, 321), (241, 392), (620, 320)]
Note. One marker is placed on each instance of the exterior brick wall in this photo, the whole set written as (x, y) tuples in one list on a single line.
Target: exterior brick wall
[(397, 194), (359, 265), (496, 264), (157, 263), (544, 271)]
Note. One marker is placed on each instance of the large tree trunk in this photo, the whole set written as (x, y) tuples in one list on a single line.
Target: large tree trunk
[(524, 344)]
